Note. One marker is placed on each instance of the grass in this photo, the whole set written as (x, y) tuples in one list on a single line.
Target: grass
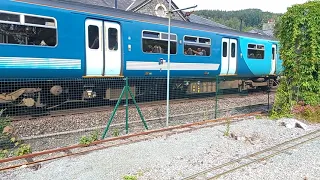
[(308, 113)]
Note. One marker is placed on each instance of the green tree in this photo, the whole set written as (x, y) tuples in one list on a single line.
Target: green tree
[(252, 18), (299, 34)]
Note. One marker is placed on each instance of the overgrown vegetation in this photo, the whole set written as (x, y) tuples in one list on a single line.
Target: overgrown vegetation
[(4, 121), (130, 177), (116, 133), (86, 140), (227, 131), (252, 18), (299, 36), (10, 145)]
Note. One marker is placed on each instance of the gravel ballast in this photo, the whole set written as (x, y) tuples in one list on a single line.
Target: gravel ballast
[(54, 132), (181, 155)]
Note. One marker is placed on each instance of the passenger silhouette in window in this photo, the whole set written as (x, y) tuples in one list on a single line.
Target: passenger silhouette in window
[(198, 52)]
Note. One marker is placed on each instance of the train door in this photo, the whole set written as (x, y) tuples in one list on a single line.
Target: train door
[(274, 59), (229, 56), (112, 64), (103, 50), (94, 48)]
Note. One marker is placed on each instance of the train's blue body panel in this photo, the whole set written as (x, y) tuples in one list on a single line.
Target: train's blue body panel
[(68, 58), (64, 60), (258, 67), (176, 60)]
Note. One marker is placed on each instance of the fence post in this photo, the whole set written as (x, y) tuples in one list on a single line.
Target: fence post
[(217, 93), (127, 106), (269, 93), (127, 91), (113, 114), (138, 109)]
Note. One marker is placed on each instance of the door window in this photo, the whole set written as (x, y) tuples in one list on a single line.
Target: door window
[(93, 35), (113, 39), (233, 50), (225, 49)]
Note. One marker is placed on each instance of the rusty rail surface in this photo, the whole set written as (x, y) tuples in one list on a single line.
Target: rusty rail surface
[(99, 144)]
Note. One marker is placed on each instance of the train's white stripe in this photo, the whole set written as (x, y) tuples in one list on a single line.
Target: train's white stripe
[(138, 65), (39, 63)]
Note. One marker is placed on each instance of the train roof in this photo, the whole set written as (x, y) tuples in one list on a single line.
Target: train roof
[(118, 13)]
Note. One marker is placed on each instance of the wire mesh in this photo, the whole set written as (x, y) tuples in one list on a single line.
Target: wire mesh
[(51, 113)]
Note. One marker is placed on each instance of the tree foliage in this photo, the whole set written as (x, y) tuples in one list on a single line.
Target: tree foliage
[(252, 18), (299, 34)]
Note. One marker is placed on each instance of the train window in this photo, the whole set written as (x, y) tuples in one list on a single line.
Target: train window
[(204, 41), (39, 21), (148, 34), (113, 39), (165, 36), (233, 50), (273, 53), (93, 35), (255, 51), (28, 35), (252, 46), (225, 49), (23, 29), (156, 42), (197, 46), (190, 39), (9, 17)]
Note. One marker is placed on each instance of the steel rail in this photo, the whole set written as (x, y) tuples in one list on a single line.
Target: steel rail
[(191, 126), (273, 148), (134, 122)]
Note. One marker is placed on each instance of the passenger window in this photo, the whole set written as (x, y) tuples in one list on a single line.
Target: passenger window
[(93, 35), (156, 42), (39, 21), (255, 51), (196, 46), (233, 50), (9, 17), (225, 49), (113, 39), (37, 31)]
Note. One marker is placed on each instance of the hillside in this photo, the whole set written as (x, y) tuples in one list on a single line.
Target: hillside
[(252, 18)]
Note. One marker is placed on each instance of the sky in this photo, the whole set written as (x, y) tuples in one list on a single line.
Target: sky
[(276, 6)]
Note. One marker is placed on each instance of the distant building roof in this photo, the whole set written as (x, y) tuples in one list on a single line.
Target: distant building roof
[(261, 32), (200, 20), (122, 4), (134, 6)]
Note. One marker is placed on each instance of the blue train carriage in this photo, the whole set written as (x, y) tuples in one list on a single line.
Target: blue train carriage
[(104, 43)]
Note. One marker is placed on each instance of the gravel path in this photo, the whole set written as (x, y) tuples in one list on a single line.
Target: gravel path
[(180, 155)]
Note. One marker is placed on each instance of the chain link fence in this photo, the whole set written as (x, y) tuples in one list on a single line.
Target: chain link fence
[(40, 114)]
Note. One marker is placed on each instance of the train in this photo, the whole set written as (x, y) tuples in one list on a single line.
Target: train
[(52, 52)]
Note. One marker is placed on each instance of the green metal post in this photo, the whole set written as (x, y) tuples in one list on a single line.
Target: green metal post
[(217, 93), (268, 94), (113, 114), (138, 109), (127, 106)]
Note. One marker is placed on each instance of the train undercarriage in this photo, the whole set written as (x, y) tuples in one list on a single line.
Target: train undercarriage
[(57, 94)]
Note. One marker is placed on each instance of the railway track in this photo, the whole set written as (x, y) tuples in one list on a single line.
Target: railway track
[(153, 120), (76, 111), (229, 167), (43, 156)]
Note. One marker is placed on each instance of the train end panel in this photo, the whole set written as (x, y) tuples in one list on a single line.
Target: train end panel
[(260, 56)]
